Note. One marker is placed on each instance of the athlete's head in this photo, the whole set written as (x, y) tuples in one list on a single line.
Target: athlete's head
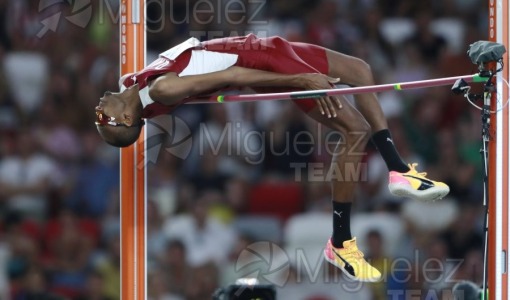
[(119, 117)]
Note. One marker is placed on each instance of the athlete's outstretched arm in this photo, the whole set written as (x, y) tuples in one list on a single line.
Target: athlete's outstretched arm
[(306, 81), (170, 89)]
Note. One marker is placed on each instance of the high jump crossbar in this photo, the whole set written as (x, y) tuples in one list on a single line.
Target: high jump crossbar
[(340, 91)]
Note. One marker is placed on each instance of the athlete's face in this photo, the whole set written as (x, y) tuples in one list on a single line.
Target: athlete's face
[(110, 110)]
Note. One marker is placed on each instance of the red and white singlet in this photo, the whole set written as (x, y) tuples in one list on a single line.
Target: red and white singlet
[(193, 57)]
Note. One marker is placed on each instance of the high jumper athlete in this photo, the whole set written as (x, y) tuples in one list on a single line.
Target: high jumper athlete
[(192, 69)]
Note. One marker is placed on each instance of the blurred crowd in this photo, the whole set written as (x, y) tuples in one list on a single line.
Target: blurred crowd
[(250, 182)]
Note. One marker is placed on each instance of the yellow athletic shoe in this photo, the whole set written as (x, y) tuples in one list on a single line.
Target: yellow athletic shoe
[(416, 185), (350, 260)]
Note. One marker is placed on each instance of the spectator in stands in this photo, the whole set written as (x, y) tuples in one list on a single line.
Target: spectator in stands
[(35, 287), (110, 267), (94, 289), (94, 171), (174, 269), (27, 176), (199, 231)]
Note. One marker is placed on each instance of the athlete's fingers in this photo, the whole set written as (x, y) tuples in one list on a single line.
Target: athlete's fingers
[(325, 106), (319, 103), (333, 80), (331, 106), (338, 102)]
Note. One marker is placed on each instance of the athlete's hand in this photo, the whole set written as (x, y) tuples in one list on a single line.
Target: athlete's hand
[(315, 81)]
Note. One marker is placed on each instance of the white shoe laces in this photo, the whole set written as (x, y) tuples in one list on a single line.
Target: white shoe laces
[(413, 170)]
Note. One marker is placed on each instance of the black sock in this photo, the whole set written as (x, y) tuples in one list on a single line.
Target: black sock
[(341, 223), (384, 143)]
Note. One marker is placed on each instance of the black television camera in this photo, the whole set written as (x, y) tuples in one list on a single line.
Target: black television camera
[(246, 289)]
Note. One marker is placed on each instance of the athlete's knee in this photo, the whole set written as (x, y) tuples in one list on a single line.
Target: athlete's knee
[(360, 133), (362, 126), (355, 133), (358, 138), (362, 71), (358, 124)]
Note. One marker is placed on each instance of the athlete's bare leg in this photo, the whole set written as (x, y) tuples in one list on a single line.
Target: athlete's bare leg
[(403, 181), (355, 131), (354, 71), (341, 250)]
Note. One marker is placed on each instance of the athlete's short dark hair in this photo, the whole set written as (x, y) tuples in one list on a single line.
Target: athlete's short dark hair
[(119, 136)]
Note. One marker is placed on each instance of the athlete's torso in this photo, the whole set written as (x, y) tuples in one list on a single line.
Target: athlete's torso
[(193, 58)]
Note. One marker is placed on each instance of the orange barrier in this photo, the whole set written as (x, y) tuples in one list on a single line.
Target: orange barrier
[(132, 166), (498, 262)]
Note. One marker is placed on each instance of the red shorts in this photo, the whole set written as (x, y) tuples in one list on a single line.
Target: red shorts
[(275, 54)]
